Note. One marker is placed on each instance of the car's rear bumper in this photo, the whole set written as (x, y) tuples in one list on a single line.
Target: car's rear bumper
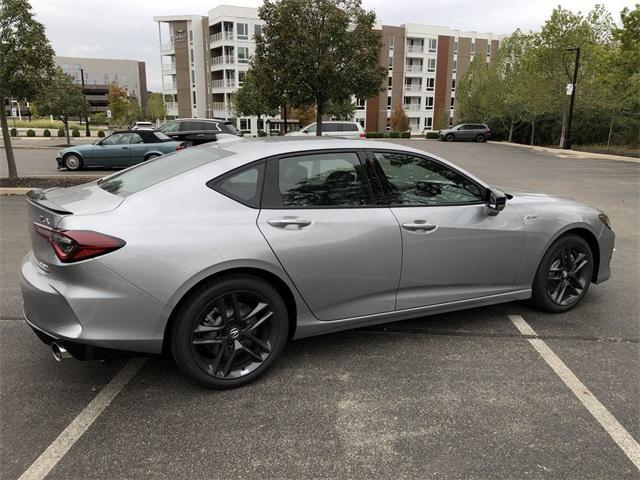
[(90, 305)]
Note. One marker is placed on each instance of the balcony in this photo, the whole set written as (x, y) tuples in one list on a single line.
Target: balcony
[(413, 68), (219, 110), (167, 48), (228, 83), (169, 86), (415, 49), (413, 88), (169, 67), (412, 107), (220, 36), (222, 59), (171, 109)]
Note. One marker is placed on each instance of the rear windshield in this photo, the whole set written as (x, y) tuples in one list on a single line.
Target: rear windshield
[(232, 128), (159, 169)]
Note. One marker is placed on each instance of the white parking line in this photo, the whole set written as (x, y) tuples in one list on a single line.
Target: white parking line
[(623, 438), (70, 435)]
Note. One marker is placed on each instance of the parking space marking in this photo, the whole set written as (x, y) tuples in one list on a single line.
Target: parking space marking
[(621, 436), (70, 435)]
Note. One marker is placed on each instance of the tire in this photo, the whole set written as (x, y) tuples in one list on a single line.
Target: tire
[(218, 351), (73, 162), (564, 275), (480, 138), (449, 137), (151, 157)]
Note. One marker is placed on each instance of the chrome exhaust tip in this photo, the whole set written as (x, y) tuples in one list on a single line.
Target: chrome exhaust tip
[(59, 352)]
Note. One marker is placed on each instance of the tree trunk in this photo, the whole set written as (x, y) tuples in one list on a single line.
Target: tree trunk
[(533, 129), (284, 116), (66, 129), (319, 109), (11, 161), (511, 131), (610, 131), (563, 131)]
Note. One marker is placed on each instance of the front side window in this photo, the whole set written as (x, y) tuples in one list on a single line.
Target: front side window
[(170, 127), (334, 179), (419, 181), (311, 128)]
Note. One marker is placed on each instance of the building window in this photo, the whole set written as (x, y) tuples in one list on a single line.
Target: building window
[(243, 31), (455, 46), (473, 47), (392, 42), (241, 76), (388, 103), (431, 65), (390, 62), (428, 122), (431, 82), (257, 29), (433, 43), (453, 102), (193, 76), (429, 103), (245, 124), (488, 49), (191, 35), (243, 54), (390, 83), (453, 85), (455, 66), (360, 102), (193, 94)]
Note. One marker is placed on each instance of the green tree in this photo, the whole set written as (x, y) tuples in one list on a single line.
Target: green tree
[(124, 111), (318, 52), (62, 99), (155, 107), (305, 114), (341, 109), (26, 62), (251, 101), (399, 120)]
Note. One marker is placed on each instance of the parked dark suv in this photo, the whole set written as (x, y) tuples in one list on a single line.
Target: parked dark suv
[(196, 131), (477, 132)]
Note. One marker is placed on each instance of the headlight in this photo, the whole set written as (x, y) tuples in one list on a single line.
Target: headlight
[(605, 219)]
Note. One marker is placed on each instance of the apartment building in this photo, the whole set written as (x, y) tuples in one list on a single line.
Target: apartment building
[(99, 73), (205, 58)]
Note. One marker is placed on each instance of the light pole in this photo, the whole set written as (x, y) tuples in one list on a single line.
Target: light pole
[(86, 117), (567, 135)]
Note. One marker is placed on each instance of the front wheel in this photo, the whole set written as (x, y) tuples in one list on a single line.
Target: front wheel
[(449, 137), (564, 275), (229, 332), (73, 162)]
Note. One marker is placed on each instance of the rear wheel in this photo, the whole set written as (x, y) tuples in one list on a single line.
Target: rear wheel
[(73, 162), (480, 138), (449, 137), (151, 156), (564, 275), (230, 332)]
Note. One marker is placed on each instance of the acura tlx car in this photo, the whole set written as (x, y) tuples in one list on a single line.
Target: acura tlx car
[(220, 254)]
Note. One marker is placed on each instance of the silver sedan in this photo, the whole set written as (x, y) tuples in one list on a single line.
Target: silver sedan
[(220, 254)]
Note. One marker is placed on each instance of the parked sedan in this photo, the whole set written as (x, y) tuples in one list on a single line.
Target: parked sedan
[(120, 149), (196, 131), (352, 130), (220, 254), (477, 132)]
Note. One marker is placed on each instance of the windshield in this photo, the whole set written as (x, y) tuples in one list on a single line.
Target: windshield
[(146, 174)]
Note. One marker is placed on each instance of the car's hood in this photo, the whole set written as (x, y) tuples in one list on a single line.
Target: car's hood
[(85, 147), (525, 199)]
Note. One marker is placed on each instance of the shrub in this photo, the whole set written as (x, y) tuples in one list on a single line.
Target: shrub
[(432, 134), (262, 133), (405, 135), (31, 133), (394, 134), (14, 132), (101, 133), (75, 132), (46, 133), (61, 132), (374, 134)]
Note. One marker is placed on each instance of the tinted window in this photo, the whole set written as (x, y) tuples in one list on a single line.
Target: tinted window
[(189, 126), (157, 170), (170, 127), (331, 127), (347, 127), (319, 180), (231, 128), (161, 136), (243, 186), (117, 139), (209, 126), (135, 138), (414, 181)]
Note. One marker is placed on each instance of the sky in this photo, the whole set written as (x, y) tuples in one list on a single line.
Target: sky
[(125, 29)]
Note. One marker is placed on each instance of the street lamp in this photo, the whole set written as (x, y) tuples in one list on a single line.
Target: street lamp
[(567, 135), (86, 117)]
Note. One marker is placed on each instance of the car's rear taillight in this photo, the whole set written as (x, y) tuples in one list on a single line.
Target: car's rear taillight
[(363, 135), (75, 245), (180, 147)]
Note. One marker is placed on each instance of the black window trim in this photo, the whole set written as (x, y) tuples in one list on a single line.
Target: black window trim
[(214, 183), (376, 169), (272, 171)]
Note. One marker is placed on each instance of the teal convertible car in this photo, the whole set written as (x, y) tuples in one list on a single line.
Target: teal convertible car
[(120, 149)]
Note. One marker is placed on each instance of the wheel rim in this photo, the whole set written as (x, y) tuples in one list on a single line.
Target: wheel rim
[(233, 335), (73, 162), (568, 275), (450, 138)]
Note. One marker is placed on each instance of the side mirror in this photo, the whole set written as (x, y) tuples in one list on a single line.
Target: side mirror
[(496, 200)]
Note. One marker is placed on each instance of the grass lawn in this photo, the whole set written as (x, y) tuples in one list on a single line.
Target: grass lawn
[(45, 123), (627, 151)]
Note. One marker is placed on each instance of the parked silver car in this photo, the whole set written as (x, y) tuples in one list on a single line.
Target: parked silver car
[(219, 254), (351, 130), (477, 132)]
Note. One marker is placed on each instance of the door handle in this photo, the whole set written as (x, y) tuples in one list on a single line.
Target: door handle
[(284, 222), (419, 226)]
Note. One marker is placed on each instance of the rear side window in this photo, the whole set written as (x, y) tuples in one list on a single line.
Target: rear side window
[(209, 126), (243, 186), (231, 128), (146, 174), (331, 127), (347, 127), (334, 179), (189, 126)]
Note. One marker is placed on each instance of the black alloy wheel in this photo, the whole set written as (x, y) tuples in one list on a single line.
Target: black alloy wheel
[(480, 138), (449, 137), (564, 274), (231, 332)]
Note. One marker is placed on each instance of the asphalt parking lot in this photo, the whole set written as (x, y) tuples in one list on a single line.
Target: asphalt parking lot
[(459, 395)]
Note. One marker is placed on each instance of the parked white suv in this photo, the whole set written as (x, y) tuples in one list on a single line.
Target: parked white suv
[(334, 129)]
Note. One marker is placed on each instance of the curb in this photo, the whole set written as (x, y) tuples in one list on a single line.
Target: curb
[(38, 147), (4, 191), (571, 153)]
